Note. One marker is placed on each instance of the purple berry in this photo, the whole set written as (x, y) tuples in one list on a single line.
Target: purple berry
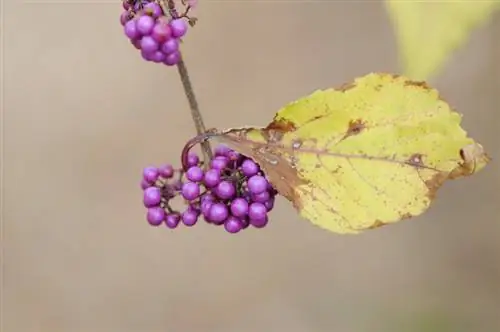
[(179, 27), (192, 160), (155, 216), (170, 46), (212, 178), (221, 151), (257, 211), (233, 225), (249, 168), (190, 191), (194, 174), (152, 197), (239, 207), (263, 197), (158, 57), (124, 18), (145, 184), (172, 220), (189, 217), (269, 204), (205, 209), (136, 43), (126, 5), (172, 59), (225, 190), (130, 29), (218, 213), (150, 174), (154, 9), (147, 56), (166, 171), (161, 32), (259, 223), (219, 163), (149, 45), (145, 24), (257, 184)]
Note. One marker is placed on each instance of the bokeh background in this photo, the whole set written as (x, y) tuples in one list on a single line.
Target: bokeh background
[(83, 114)]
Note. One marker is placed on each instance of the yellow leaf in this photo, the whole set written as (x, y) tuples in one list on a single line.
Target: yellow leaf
[(429, 31), (371, 153)]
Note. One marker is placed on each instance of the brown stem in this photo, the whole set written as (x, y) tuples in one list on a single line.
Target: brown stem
[(195, 110)]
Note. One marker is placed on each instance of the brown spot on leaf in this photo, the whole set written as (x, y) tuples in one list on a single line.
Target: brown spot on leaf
[(471, 155), (434, 183), (419, 84), (355, 127), (346, 87), (377, 224), (416, 160), (281, 125)]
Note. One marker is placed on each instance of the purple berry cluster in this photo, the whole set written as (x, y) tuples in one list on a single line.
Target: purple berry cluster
[(231, 192), (151, 31)]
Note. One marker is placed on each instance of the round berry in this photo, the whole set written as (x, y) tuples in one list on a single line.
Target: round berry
[(212, 178), (225, 190), (166, 171), (257, 184), (269, 204), (170, 46), (152, 197), (126, 5), (218, 213), (172, 220), (145, 24), (172, 59), (153, 9), (194, 174), (161, 32), (259, 223), (145, 184), (149, 45), (249, 168), (233, 225), (150, 174), (130, 29), (190, 191), (222, 151), (192, 160), (155, 216), (179, 27), (257, 211), (219, 163), (124, 18), (189, 217), (263, 197), (158, 57), (239, 207), (147, 56)]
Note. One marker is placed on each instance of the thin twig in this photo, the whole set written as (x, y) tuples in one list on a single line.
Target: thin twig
[(195, 110), (169, 8)]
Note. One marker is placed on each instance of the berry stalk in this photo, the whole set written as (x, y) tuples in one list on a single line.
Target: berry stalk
[(195, 110)]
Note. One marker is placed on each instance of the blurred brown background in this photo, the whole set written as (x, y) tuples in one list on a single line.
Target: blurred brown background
[(83, 114)]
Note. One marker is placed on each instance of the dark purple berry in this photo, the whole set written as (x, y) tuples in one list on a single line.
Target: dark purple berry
[(192, 160), (263, 197), (189, 217), (259, 223)]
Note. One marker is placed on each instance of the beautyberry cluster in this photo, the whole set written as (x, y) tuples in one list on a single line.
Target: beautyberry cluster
[(231, 192), (156, 34)]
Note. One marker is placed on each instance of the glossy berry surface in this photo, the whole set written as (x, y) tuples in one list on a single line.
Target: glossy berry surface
[(231, 191), (156, 34)]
